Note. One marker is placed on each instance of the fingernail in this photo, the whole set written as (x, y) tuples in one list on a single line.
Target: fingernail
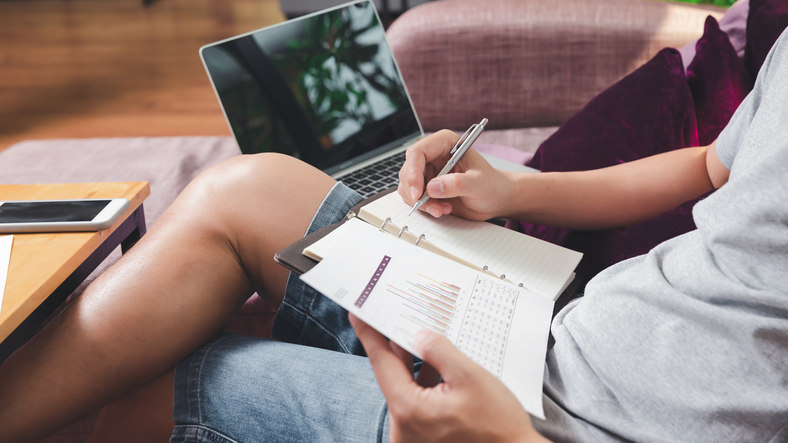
[(436, 188), (414, 192)]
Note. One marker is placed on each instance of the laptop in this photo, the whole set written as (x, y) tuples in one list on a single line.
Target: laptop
[(324, 88)]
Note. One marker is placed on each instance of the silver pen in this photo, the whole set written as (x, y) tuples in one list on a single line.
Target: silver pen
[(459, 149)]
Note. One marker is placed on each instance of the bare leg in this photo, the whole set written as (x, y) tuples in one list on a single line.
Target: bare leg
[(173, 291), (143, 415)]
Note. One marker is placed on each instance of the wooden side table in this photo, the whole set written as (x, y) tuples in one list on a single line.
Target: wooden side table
[(45, 268)]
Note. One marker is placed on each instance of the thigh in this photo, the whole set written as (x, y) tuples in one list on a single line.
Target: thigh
[(239, 388)]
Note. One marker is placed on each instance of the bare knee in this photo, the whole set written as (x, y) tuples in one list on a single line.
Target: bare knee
[(259, 204), (252, 187), (265, 175)]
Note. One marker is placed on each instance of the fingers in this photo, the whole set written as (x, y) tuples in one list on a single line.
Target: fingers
[(461, 182), (395, 379), (441, 189), (405, 357), (428, 376), (446, 186), (438, 352), (424, 411), (421, 161)]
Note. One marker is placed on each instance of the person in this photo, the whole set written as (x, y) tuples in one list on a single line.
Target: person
[(688, 342)]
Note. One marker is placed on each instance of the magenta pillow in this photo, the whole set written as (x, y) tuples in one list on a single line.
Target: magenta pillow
[(717, 80), (765, 23), (647, 112), (733, 23)]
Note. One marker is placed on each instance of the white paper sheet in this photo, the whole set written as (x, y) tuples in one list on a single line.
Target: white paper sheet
[(6, 241), (540, 266), (400, 289)]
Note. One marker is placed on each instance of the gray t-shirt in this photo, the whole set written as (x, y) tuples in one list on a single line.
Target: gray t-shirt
[(690, 341)]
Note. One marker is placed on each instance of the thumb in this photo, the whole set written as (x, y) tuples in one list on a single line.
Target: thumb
[(469, 183), (446, 186), (442, 355)]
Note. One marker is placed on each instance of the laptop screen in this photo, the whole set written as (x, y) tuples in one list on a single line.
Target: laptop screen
[(324, 88)]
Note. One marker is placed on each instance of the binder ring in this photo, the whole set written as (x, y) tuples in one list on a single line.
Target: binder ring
[(386, 221), (485, 268), (401, 231), (503, 276), (520, 285), (421, 237)]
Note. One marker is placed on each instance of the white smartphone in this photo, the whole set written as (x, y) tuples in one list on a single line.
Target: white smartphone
[(60, 215)]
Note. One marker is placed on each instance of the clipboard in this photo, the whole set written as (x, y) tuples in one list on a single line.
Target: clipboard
[(292, 256)]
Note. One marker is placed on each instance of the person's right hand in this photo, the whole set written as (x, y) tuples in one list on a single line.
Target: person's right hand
[(463, 402), (474, 189)]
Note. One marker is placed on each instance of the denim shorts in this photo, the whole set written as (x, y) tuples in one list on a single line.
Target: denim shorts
[(313, 384)]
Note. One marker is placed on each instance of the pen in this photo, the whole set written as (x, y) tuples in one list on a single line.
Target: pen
[(459, 149)]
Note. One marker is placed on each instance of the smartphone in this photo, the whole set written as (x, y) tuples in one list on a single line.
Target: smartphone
[(60, 215)]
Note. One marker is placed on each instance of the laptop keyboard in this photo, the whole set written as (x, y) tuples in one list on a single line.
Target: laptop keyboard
[(376, 177)]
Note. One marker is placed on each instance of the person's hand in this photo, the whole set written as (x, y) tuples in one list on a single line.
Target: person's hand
[(469, 405), (474, 190)]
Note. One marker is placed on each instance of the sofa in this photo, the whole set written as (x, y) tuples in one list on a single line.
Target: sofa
[(529, 65), (526, 65)]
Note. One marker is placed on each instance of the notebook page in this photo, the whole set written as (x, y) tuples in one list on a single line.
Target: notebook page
[(347, 231), (400, 289), (540, 266)]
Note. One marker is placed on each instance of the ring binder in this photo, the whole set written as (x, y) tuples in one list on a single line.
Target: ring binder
[(486, 269), (389, 214)]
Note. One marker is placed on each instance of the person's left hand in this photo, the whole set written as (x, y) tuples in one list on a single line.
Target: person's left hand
[(470, 404)]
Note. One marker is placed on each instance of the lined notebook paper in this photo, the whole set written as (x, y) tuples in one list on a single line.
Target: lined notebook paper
[(540, 266)]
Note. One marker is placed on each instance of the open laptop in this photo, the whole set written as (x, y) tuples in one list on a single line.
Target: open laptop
[(324, 88)]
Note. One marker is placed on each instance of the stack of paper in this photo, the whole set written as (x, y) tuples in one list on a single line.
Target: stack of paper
[(399, 289)]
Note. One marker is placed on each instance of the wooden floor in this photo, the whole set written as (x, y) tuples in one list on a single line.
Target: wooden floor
[(114, 68)]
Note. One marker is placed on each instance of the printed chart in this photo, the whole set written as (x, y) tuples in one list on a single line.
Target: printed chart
[(479, 326), (400, 289), (427, 302)]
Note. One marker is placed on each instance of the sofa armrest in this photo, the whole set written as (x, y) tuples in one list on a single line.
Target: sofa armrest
[(528, 63)]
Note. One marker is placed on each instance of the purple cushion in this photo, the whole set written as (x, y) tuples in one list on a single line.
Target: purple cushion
[(647, 112), (733, 23), (717, 80), (765, 23)]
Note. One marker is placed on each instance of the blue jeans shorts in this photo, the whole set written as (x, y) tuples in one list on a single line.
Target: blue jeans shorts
[(313, 384)]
